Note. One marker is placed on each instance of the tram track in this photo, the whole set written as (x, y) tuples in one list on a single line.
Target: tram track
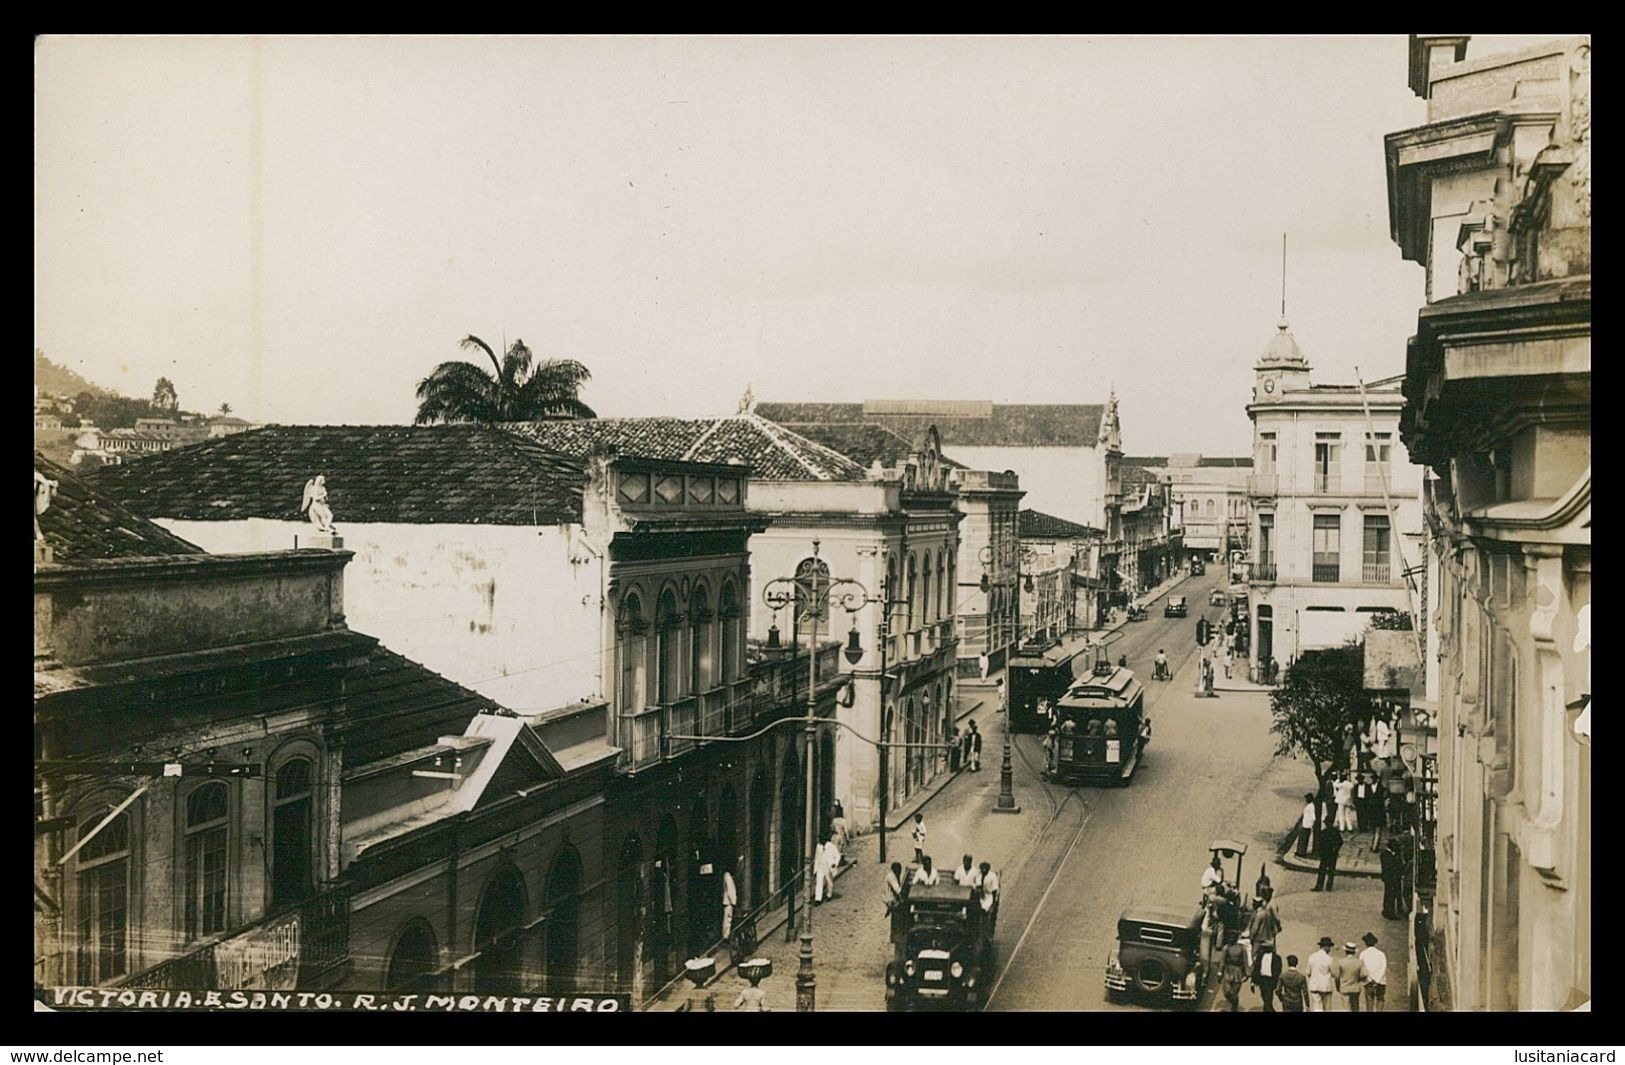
[(1178, 662)]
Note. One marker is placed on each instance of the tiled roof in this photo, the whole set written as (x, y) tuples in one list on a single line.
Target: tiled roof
[(1036, 525), (83, 524), (461, 474), (772, 452), (395, 705), (1137, 475), (866, 444), (1005, 424)]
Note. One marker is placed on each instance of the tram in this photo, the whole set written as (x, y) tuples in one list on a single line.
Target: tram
[(1045, 672), (1101, 728)]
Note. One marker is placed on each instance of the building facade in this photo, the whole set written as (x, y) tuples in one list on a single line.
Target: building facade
[(987, 597), (1336, 507), (1065, 455), (606, 598), (1492, 196), (1061, 558), (1151, 550), (1207, 502)]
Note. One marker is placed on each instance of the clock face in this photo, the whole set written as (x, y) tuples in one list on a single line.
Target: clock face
[(1269, 384)]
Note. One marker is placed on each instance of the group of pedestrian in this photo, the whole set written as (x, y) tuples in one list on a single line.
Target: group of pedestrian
[(1356, 975), (830, 855)]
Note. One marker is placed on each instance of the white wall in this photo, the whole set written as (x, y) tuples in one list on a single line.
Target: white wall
[(1068, 482), (498, 608)]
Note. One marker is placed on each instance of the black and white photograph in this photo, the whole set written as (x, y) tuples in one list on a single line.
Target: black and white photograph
[(746, 523)]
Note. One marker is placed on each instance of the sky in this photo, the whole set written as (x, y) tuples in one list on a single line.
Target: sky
[(305, 227)]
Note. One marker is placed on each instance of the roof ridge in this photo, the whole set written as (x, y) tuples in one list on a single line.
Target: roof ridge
[(710, 430), (773, 432), (815, 446)]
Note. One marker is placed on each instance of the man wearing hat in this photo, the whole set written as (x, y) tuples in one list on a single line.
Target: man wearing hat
[(1321, 984), (1374, 971), (1349, 980)]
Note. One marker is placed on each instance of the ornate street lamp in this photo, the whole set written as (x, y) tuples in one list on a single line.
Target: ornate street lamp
[(813, 591)]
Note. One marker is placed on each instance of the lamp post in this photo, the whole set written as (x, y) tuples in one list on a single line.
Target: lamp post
[(812, 590)]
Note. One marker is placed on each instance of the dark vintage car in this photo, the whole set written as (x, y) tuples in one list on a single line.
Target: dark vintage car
[(1198, 567), (942, 942), (1161, 953), (1175, 607), (1216, 597)]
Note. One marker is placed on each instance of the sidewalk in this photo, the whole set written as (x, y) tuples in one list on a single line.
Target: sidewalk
[(851, 933), (1359, 856), (1346, 913)]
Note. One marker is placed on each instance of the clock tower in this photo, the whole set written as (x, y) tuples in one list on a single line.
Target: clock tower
[(1282, 368)]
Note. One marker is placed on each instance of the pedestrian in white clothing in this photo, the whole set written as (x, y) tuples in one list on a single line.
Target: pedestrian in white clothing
[(919, 839), (966, 875), (1321, 982), (1374, 971), (1343, 794), (925, 874), (823, 872), (730, 899)]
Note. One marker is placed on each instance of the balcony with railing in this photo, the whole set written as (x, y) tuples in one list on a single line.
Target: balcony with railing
[(1374, 481), (1264, 571), (320, 945), (1263, 485), (1325, 572), (1376, 572), (1328, 482), (652, 735)]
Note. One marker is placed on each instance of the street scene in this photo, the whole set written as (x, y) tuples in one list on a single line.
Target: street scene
[(1197, 622)]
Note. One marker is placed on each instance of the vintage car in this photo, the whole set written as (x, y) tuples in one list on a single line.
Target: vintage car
[(1175, 607), (1216, 597), (1136, 612), (1198, 567), (942, 942), (1161, 952)]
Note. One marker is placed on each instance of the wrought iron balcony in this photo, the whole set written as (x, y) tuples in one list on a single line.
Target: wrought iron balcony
[(1328, 483), (320, 939), (1265, 485), (1326, 572), (1264, 571)]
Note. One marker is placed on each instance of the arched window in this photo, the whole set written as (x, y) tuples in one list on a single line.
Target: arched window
[(499, 969), (728, 609), (413, 959), (668, 636), (1193, 508), (207, 836), (894, 604), (1210, 508), (702, 653), (942, 582), (292, 838), (912, 576), (632, 693), (925, 590), (563, 917), (103, 885)]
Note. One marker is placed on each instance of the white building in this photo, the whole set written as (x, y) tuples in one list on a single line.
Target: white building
[(1336, 506)]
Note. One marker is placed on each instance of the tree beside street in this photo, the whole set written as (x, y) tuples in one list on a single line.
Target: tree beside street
[(1324, 692), (520, 391)]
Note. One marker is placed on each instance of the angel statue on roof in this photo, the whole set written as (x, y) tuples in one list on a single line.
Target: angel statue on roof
[(44, 490), (315, 502)]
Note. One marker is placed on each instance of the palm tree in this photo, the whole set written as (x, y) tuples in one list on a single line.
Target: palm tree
[(520, 392), (225, 409)]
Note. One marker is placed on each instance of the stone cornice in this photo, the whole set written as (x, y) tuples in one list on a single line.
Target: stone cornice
[(193, 568)]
